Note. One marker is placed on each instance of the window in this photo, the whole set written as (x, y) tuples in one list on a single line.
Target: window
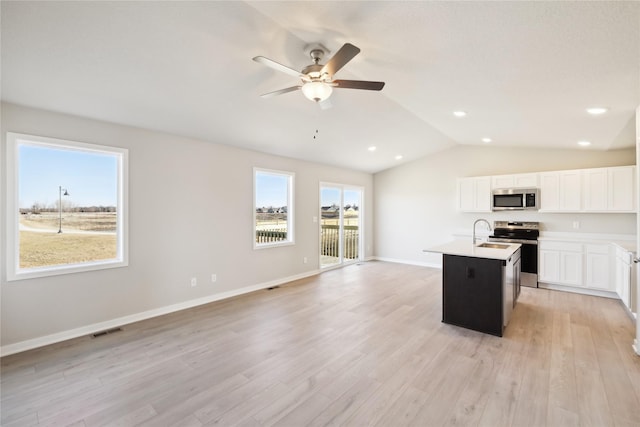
[(273, 208), (66, 206)]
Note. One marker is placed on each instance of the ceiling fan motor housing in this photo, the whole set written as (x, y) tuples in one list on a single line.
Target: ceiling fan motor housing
[(314, 72)]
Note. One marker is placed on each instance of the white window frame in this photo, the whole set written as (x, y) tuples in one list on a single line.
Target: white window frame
[(14, 272), (290, 210)]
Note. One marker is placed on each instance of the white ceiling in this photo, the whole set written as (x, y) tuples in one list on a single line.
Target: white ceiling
[(523, 71)]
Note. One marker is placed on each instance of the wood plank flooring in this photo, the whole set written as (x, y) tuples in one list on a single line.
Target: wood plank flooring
[(362, 345)]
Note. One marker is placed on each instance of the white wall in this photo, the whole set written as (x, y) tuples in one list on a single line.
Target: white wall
[(190, 215), (415, 204)]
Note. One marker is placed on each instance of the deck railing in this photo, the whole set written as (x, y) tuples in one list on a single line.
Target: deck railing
[(329, 240), (268, 236)]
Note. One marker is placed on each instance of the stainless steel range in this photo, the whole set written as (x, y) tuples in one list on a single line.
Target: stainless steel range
[(525, 233)]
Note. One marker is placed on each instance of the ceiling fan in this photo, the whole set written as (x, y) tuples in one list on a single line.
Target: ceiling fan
[(317, 79)]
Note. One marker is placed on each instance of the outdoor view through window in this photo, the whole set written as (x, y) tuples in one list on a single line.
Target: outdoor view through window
[(273, 203), (68, 205)]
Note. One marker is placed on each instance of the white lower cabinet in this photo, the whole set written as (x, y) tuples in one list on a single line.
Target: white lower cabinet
[(576, 264), (598, 267), (571, 268), (560, 263), (623, 277), (548, 265)]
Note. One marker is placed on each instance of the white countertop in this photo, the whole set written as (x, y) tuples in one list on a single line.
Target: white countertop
[(626, 242), (466, 248)]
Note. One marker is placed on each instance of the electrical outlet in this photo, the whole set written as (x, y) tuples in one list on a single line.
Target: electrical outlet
[(576, 224), (194, 282), (214, 278), (304, 260)]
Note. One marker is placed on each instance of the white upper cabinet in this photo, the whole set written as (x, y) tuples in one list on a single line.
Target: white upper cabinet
[(523, 180), (609, 189), (582, 190), (561, 191), (474, 194), (621, 187), (550, 191), (595, 189)]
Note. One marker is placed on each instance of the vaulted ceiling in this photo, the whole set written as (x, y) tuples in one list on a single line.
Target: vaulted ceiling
[(524, 72)]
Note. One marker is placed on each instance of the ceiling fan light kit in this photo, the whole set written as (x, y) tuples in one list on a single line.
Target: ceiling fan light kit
[(317, 79), (317, 91)]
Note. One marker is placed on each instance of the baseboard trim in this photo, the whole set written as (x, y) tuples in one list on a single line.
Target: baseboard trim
[(636, 347), (584, 291), (404, 261), (121, 321)]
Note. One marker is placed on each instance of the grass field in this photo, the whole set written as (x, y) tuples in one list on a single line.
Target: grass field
[(49, 248), (85, 221)]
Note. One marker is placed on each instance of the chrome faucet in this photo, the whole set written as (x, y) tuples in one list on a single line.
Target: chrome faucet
[(474, 228)]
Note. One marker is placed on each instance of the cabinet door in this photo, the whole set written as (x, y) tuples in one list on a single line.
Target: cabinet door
[(483, 194), (623, 276), (474, 194), (502, 181), (526, 180), (598, 259), (570, 190), (466, 194), (550, 191), (621, 189), (571, 268), (595, 189), (522, 180), (549, 266)]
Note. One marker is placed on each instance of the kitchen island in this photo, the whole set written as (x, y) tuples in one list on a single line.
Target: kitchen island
[(480, 284)]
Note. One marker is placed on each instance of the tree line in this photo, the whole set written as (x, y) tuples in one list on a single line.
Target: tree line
[(37, 208)]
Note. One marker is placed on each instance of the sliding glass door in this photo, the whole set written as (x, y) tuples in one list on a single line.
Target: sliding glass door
[(340, 224)]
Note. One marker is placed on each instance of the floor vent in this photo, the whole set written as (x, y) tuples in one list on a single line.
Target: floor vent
[(103, 333), (272, 288)]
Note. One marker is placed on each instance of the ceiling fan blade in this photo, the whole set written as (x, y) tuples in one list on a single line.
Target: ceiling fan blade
[(342, 56), (359, 84), (277, 66), (280, 92)]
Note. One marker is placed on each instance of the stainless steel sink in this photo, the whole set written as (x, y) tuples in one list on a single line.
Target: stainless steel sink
[(493, 245)]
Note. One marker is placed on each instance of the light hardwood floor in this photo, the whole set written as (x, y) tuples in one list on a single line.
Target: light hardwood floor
[(362, 345)]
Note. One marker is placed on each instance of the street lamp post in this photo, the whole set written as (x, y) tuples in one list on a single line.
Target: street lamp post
[(66, 193)]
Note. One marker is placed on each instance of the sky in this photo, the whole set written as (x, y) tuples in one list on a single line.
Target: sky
[(271, 190), (89, 178), (331, 196)]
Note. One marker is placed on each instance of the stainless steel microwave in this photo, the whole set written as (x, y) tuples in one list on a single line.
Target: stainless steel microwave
[(513, 199)]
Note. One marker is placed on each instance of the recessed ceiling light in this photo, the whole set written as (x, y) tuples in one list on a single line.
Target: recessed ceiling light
[(597, 110), (486, 140), (372, 148), (459, 113), (584, 143), (398, 157)]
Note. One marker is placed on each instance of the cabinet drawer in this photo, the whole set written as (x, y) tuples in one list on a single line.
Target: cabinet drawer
[(560, 246)]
